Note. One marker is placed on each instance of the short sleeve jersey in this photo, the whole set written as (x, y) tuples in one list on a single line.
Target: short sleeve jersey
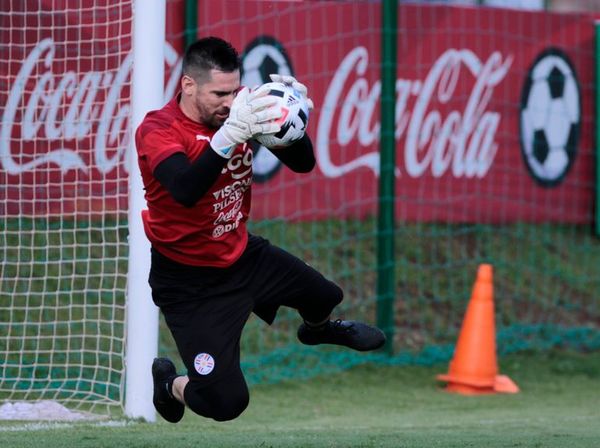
[(213, 231)]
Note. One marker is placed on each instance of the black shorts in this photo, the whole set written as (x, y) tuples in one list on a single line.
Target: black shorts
[(206, 308)]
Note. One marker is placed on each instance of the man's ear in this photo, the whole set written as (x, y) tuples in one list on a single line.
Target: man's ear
[(187, 85)]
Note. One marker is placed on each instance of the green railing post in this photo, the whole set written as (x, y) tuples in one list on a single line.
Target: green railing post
[(191, 22), (387, 179), (597, 126)]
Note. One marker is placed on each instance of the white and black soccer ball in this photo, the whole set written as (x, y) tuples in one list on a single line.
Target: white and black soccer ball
[(294, 119), (550, 119)]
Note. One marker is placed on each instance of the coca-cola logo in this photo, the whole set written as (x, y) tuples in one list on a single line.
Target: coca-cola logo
[(460, 141), (64, 109)]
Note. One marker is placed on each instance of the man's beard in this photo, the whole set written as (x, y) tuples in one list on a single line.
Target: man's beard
[(211, 120)]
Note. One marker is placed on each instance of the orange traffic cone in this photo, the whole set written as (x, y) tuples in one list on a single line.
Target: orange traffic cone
[(474, 368)]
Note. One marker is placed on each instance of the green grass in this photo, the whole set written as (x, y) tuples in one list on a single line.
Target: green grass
[(62, 299), (376, 406)]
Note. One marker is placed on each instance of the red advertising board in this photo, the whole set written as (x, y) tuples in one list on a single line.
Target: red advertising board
[(494, 111), (65, 106), (65, 96)]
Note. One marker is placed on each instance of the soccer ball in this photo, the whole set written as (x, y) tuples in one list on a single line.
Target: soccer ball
[(550, 118), (294, 117)]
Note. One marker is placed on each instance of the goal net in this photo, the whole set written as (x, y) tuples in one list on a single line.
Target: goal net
[(64, 92)]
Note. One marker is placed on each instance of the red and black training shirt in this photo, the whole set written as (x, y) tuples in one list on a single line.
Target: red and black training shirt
[(211, 232)]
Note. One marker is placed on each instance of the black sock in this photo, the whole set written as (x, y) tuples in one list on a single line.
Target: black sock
[(317, 326)]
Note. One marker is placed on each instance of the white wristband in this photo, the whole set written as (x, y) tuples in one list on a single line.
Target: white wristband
[(222, 145)]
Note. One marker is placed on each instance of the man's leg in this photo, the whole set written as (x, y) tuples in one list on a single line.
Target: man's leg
[(178, 387), (205, 310), (223, 400), (283, 279)]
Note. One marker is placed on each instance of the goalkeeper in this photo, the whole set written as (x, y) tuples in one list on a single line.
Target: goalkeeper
[(208, 273)]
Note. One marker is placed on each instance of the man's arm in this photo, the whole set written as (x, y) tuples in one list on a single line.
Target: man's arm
[(299, 157), (188, 182), (251, 113)]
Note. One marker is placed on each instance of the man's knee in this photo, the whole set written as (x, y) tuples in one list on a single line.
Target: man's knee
[(337, 295), (226, 411), (320, 304), (219, 402), (330, 296)]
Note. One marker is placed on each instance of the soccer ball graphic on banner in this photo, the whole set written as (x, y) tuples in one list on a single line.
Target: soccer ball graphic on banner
[(550, 118), (294, 118)]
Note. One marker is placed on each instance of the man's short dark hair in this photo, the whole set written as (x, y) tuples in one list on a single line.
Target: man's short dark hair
[(207, 54)]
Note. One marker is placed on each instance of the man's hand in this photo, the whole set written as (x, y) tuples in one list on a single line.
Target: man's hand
[(251, 114), (293, 82)]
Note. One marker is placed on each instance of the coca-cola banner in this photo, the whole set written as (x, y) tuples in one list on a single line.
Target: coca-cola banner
[(65, 96), (65, 106), (493, 109)]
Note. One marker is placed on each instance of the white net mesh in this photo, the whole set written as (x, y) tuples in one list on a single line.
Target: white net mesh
[(63, 228)]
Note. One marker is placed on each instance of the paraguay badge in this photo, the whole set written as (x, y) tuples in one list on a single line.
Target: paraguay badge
[(204, 363)]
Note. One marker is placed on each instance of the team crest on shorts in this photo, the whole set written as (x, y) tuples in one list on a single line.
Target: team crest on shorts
[(204, 363)]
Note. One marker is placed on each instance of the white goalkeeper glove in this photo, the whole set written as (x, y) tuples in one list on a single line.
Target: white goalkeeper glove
[(251, 114), (293, 82)]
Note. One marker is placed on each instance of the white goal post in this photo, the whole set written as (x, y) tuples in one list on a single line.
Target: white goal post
[(142, 316)]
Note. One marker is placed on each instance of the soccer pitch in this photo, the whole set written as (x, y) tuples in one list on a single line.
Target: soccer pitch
[(373, 407)]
